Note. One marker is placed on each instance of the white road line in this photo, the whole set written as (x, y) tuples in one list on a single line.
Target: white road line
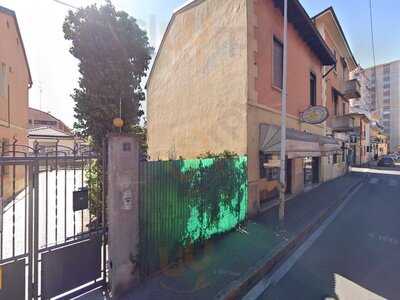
[(276, 276), (374, 171)]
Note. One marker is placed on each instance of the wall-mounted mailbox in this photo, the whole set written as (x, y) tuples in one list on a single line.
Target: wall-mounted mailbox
[(81, 199)]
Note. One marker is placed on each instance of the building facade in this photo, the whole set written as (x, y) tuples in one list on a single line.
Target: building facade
[(216, 85), (49, 139), (38, 118), (338, 89), (15, 81), (385, 88)]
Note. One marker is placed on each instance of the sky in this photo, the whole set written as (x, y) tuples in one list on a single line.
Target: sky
[(55, 71)]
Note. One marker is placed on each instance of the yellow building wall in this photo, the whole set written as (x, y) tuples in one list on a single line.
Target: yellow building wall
[(13, 105), (13, 102), (197, 92)]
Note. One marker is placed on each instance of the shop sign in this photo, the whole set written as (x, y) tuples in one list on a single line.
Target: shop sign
[(314, 115)]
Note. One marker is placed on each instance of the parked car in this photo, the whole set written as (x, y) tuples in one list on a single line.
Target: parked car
[(386, 161), (395, 156)]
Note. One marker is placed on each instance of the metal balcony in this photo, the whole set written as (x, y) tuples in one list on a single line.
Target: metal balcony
[(352, 89), (342, 124)]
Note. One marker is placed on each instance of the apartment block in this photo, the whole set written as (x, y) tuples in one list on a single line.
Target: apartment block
[(385, 89)]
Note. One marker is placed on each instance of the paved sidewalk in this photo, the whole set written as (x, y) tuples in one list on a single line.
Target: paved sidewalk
[(226, 261)]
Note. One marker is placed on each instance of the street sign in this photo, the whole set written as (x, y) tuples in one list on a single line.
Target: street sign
[(314, 115)]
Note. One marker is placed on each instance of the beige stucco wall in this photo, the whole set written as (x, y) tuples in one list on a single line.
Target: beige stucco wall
[(197, 91)]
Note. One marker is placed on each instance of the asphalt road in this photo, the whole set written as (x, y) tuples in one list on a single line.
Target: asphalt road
[(357, 256)]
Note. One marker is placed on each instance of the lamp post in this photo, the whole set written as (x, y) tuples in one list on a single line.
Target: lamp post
[(283, 118)]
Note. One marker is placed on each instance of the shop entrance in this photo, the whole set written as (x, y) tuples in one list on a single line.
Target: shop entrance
[(311, 171)]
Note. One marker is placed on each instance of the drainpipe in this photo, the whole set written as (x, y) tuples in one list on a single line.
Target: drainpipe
[(283, 118)]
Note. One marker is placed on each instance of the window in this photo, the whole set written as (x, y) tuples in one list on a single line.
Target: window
[(344, 65), (269, 173), (5, 147), (386, 85), (313, 89), (44, 122), (386, 79), (278, 64), (386, 93), (344, 108), (334, 55), (335, 102), (3, 79), (386, 69), (335, 159)]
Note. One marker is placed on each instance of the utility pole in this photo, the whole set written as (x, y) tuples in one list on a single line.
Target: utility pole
[(283, 118)]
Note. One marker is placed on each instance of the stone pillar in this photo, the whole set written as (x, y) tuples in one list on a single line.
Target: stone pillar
[(123, 212)]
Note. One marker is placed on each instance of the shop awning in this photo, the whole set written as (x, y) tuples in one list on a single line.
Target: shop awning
[(298, 143)]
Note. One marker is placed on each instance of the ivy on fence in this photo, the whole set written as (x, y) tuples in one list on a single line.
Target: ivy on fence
[(186, 202)]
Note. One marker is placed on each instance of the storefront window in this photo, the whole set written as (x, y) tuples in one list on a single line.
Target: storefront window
[(267, 172)]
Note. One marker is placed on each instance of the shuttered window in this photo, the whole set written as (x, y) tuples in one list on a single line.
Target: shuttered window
[(278, 63), (313, 90)]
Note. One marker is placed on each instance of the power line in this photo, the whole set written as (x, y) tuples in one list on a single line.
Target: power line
[(66, 4), (373, 43)]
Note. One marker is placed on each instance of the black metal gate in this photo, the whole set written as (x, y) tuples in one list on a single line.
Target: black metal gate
[(52, 236)]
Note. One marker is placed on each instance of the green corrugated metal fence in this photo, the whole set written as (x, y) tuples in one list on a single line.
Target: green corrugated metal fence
[(185, 202)]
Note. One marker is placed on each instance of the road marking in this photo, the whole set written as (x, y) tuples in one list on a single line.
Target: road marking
[(374, 171), (277, 275)]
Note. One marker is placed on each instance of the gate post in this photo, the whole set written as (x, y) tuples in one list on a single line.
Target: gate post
[(123, 212)]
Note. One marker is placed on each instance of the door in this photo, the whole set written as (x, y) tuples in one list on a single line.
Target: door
[(308, 171), (315, 169)]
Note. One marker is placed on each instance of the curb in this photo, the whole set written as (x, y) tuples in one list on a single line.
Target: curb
[(239, 287)]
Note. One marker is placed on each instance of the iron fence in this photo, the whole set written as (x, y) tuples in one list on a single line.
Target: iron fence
[(51, 205)]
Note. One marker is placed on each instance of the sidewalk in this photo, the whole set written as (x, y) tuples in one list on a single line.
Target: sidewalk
[(231, 263)]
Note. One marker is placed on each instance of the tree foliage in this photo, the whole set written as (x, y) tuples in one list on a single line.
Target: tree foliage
[(114, 55)]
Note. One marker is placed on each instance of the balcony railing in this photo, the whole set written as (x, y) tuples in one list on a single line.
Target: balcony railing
[(352, 89), (342, 123)]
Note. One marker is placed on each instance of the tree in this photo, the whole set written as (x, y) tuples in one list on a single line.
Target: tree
[(114, 55)]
